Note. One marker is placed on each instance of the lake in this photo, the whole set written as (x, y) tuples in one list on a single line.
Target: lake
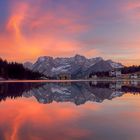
[(70, 110)]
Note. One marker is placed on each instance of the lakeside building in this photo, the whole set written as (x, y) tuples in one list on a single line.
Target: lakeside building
[(115, 73), (134, 76), (131, 76), (94, 76), (64, 76)]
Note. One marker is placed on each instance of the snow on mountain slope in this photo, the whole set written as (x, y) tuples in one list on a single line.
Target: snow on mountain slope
[(77, 65), (60, 69), (114, 64)]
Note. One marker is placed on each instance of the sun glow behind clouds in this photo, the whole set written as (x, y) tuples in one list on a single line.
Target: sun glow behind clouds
[(65, 28), (40, 42)]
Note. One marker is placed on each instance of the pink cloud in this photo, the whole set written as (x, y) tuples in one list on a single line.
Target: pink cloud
[(133, 5), (132, 10)]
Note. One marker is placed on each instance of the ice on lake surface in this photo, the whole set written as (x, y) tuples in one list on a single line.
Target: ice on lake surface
[(70, 111)]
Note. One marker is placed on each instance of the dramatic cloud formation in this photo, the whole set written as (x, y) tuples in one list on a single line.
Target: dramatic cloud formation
[(31, 28)]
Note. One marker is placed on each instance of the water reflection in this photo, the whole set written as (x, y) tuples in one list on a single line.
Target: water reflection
[(14, 90), (25, 119), (75, 92)]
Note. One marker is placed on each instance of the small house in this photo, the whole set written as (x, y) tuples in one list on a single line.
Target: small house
[(94, 76), (64, 76), (133, 76)]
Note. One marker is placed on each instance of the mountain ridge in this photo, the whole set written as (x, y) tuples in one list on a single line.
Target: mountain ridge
[(77, 66)]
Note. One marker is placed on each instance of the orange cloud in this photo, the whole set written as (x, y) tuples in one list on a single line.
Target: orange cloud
[(32, 31), (15, 21), (46, 34), (92, 52)]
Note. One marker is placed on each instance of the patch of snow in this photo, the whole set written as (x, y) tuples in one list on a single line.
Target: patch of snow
[(115, 65), (116, 94), (61, 68), (60, 90)]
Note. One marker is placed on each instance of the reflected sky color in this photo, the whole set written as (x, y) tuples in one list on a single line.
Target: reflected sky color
[(31, 28), (27, 119)]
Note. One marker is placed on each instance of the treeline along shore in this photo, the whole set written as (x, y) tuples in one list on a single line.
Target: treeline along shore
[(13, 70)]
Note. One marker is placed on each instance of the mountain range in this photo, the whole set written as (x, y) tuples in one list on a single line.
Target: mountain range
[(77, 66)]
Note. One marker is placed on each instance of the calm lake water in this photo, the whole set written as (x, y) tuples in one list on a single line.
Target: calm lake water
[(70, 111)]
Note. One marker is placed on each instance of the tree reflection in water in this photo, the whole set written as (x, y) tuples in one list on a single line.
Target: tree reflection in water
[(76, 92)]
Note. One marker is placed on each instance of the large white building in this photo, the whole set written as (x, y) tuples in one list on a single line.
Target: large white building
[(115, 73)]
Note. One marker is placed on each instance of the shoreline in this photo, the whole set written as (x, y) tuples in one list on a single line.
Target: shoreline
[(63, 81)]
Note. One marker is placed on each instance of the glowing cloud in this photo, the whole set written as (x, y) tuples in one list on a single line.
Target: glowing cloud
[(64, 28)]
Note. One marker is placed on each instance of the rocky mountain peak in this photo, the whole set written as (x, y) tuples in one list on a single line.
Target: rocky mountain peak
[(44, 58), (78, 66)]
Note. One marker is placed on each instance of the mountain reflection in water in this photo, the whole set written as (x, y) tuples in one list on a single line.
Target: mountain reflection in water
[(23, 118), (75, 92)]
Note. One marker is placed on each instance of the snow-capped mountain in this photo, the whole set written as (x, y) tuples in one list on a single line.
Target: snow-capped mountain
[(77, 66), (114, 64)]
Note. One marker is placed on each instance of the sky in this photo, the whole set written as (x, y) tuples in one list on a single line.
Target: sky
[(63, 28)]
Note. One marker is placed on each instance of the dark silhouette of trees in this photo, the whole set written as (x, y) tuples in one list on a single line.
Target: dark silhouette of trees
[(125, 70), (15, 70), (131, 69), (15, 90)]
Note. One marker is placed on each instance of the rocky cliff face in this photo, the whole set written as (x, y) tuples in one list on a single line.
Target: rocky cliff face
[(77, 66)]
